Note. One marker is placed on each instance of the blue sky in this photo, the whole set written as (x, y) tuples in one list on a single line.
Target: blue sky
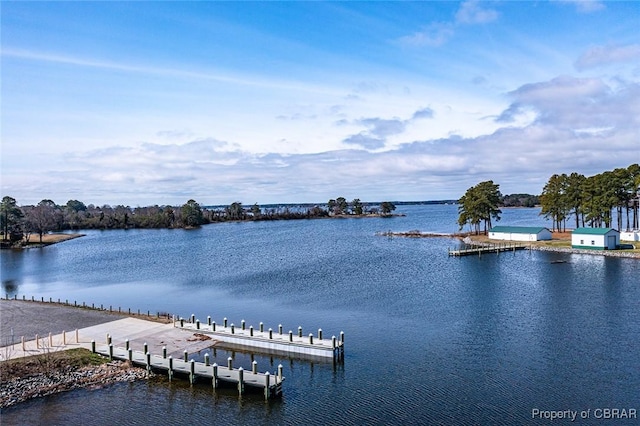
[(143, 103)]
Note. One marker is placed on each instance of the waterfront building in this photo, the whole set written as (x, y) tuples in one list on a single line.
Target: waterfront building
[(520, 233), (595, 238)]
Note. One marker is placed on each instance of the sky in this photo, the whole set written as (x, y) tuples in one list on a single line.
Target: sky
[(144, 103)]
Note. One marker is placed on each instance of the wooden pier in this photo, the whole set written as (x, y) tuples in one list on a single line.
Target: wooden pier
[(269, 340), (479, 250), (270, 384)]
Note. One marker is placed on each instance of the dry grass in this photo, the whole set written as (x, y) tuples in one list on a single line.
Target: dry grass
[(47, 363), (52, 238)]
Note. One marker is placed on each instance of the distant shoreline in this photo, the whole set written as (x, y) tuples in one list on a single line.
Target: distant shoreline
[(47, 240), (481, 240)]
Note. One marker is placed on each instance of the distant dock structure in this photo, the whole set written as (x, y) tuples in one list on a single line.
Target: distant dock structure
[(473, 249), (289, 343)]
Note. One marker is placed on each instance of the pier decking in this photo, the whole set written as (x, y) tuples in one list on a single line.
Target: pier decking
[(268, 340), (486, 248), (271, 385)]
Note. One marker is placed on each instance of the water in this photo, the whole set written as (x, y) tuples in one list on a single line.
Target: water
[(429, 339)]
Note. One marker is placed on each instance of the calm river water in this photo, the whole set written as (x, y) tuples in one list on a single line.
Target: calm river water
[(429, 339)]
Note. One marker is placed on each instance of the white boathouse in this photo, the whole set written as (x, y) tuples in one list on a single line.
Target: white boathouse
[(519, 233), (595, 238)]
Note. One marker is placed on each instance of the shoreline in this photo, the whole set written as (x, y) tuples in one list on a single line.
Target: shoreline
[(47, 240), (60, 366), (27, 387), (483, 240)]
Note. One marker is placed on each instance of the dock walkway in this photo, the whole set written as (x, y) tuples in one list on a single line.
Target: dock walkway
[(268, 340), (469, 250), (271, 385)]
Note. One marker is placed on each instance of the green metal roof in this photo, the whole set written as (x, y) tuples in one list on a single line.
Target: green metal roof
[(518, 229), (592, 231)]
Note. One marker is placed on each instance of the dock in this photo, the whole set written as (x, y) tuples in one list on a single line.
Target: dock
[(267, 340), (271, 385), (479, 250)]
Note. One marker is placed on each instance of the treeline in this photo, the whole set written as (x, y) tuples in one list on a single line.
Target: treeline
[(18, 223), (519, 200), (592, 200)]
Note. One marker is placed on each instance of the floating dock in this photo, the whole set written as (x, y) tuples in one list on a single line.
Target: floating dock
[(269, 340), (488, 248), (271, 385)]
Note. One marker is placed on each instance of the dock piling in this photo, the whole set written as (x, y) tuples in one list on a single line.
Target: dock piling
[(170, 369), (230, 363), (214, 380), (240, 380), (186, 356)]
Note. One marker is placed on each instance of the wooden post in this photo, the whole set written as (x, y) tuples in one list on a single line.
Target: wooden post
[(192, 372), (209, 320), (233, 329), (37, 342), (242, 324), (254, 367), (319, 334), (342, 337), (77, 338), (213, 326), (146, 348), (130, 354), (251, 331), (93, 346), (197, 324), (225, 322), (261, 327), (240, 380), (126, 344), (267, 389), (206, 359), (110, 351), (170, 371), (22, 341), (280, 372), (164, 352), (279, 328), (193, 319), (230, 363), (64, 337), (186, 355), (50, 340), (299, 331), (270, 334), (148, 359), (214, 381), (311, 338), (290, 336)]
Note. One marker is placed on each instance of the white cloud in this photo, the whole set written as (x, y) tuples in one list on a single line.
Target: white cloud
[(435, 34), (586, 6), (598, 56), (473, 12)]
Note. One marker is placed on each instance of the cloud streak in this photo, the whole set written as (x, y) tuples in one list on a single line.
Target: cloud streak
[(436, 34), (599, 56)]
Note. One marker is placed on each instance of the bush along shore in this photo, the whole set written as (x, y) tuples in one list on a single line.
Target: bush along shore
[(51, 373)]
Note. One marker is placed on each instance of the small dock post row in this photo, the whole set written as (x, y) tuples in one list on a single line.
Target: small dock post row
[(271, 385), (269, 340)]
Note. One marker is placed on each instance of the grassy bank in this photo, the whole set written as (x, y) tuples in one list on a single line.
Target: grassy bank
[(48, 363)]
